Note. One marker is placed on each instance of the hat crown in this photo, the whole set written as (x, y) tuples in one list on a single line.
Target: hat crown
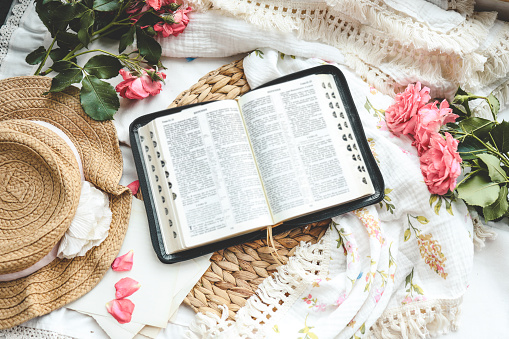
[(39, 192)]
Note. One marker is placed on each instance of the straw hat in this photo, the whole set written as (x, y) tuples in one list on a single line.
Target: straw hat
[(39, 192)]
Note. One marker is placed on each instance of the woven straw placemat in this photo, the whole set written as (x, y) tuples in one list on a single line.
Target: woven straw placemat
[(235, 273)]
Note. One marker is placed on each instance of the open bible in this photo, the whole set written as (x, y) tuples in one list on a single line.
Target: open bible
[(217, 173)]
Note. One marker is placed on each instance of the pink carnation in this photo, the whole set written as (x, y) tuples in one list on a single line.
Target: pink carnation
[(440, 165), (429, 120), (181, 20), (401, 116), (139, 87)]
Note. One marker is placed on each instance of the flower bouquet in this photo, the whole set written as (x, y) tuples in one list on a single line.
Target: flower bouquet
[(75, 24), (461, 156)]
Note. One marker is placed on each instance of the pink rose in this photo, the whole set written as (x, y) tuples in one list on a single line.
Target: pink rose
[(401, 116), (440, 165), (181, 20), (429, 120), (139, 87), (155, 4)]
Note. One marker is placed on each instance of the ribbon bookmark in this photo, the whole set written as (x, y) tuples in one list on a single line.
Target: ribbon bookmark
[(270, 243)]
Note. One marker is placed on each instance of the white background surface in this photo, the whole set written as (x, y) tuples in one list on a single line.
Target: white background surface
[(485, 312)]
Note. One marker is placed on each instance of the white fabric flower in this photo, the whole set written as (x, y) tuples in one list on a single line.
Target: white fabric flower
[(90, 225)]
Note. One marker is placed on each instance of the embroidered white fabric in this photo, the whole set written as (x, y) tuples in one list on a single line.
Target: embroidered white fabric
[(11, 24), (29, 332)]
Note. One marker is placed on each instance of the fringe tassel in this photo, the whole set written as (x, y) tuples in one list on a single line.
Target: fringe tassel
[(481, 232), (277, 292), (418, 320)]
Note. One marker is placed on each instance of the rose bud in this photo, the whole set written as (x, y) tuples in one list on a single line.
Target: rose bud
[(124, 262), (125, 287), (121, 309)]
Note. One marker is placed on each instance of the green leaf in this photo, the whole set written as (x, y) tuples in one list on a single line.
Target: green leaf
[(62, 65), (432, 199), (478, 126), (363, 328), (67, 40), (459, 110), (448, 206), (500, 134), (418, 289), (98, 98), (499, 207), (437, 206), (387, 191), (105, 5), (148, 47), (478, 190), (497, 174), (58, 54), (65, 79), (103, 66), (56, 15), (407, 234), (36, 57), (86, 21), (422, 219), (469, 147), (409, 277), (148, 19), (127, 39), (494, 104)]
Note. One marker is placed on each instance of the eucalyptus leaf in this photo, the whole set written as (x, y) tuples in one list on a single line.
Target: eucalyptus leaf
[(105, 5), (65, 79), (494, 104), (500, 135), (103, 66), (126, 39), (499, 207), (478, 190), (148, 47), (98, 98), (497, 174), (36, 57)]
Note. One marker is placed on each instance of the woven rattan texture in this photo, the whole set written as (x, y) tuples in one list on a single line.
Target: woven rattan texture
[(64, 280), (235, 273), (40, 189)]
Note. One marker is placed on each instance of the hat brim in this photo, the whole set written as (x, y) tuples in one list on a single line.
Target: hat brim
[(64, 280)]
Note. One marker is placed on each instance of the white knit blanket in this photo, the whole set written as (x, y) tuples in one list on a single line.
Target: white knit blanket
[(388, 43)]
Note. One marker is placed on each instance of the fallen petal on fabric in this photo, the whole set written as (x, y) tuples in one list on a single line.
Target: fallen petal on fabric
[(121, 309), (125, 287), (124, 262)]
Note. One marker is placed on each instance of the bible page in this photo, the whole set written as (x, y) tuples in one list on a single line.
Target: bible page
[(306, 151), (215, 183)]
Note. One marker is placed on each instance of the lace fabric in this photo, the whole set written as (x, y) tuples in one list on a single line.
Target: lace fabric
[(29, 332), (11, 24)]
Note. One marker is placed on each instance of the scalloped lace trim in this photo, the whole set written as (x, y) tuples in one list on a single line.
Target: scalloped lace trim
[(418, 320), (27, 332), (273, 298), (10, 25)]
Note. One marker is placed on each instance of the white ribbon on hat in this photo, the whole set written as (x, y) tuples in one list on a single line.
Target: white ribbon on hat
[(89, 226)]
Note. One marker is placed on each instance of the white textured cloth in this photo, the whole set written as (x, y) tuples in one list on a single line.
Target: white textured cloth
[(389, 47), (398, 268)]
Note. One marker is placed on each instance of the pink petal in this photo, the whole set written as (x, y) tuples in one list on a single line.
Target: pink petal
[(124, 262), (121, 310), (125, 287), (134, 187)]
